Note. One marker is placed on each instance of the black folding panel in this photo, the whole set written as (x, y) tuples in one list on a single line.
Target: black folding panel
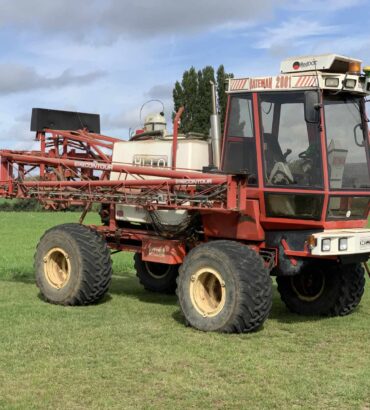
[(64, 120)]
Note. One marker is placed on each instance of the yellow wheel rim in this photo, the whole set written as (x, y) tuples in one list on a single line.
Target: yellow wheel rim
[(207, 292), (306, 290), (157, 271), (57, 267)]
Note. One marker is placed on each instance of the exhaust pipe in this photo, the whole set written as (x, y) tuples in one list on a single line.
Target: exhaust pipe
[(215, 130)]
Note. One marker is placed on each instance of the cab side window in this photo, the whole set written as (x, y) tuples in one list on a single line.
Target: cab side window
[(240, 144)]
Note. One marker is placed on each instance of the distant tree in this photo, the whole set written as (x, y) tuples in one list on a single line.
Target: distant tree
[(184, 94), (178, 96), (194, 93), (222, 77), (204, 97)]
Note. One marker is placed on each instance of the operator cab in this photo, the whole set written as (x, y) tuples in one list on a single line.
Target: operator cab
[(302, 138)]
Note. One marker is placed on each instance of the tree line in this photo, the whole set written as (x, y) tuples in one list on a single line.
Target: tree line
[(194, 93)]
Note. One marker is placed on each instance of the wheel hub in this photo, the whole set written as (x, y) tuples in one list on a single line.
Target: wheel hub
[(57, 267), (157, 270), (308, 286), (207, 292)]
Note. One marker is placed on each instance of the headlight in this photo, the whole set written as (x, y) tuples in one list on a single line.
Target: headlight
[(326, 244), (349, 83), (331, 82), (343, 244)]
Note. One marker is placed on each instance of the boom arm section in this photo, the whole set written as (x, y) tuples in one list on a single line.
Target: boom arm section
[(73, 168)]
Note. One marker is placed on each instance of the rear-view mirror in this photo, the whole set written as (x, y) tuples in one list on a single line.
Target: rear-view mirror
[(312, 107)]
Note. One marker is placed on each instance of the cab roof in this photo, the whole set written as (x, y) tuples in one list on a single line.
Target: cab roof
[(334, 63)]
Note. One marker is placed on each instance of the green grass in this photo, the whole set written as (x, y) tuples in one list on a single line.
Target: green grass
[(133, 350)]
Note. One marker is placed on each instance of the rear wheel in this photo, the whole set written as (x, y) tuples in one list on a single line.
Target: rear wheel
[(224, 286), (325, 289), (156, 277), (73, 265)]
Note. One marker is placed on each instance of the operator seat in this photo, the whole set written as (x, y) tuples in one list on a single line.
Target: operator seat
[(273, 152)]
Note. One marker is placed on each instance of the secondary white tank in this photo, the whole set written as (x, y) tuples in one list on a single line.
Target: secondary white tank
[(155, 122)]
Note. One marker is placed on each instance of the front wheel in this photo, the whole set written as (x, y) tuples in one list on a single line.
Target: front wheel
[(224, 286), (325, 289)]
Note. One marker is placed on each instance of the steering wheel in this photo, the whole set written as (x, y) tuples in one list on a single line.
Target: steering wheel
[(304, 155), (310, 152)]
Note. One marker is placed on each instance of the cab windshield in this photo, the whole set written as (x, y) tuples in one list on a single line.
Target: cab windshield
[(291, 146), (347, 145)]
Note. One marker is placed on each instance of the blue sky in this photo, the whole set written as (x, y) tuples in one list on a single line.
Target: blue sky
[(110, 56)]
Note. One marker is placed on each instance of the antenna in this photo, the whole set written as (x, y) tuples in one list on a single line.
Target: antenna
[(147, 102)]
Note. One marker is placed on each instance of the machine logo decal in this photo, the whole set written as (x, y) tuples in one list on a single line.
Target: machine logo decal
[(274, 83), (93, 165), (156, 161), (365, 243), (199, 181), (156, 250), (260, 83), (304, 64)]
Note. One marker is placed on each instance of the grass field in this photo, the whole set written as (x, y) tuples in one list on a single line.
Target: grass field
[(133, 351)]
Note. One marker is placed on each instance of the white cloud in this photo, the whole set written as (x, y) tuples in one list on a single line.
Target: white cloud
[(293, 30), (356, 46), (124, 120), (19, 78), (160, 91), (97, 21), (324, 6), (17, 136)]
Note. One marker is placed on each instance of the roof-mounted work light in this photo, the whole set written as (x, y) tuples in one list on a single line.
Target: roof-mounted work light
[(349, 83), (331, 82)]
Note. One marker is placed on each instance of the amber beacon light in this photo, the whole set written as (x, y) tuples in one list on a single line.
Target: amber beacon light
[(354, 67)]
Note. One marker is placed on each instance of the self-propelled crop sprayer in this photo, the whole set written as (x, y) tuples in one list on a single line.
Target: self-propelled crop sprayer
[(285, 192)]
